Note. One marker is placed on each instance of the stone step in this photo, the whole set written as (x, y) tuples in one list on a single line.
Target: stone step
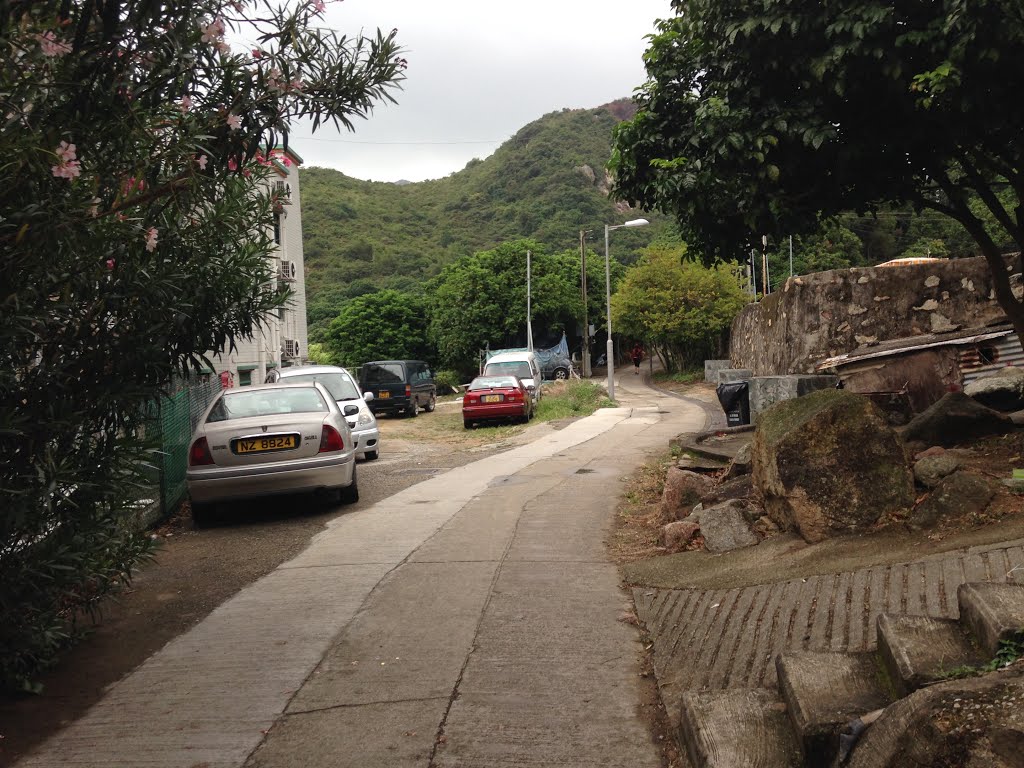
[(737, 727), (825, 692), (993, 612), (918, 650)]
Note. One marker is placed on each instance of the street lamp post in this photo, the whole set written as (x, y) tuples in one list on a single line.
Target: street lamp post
[(609, 358)]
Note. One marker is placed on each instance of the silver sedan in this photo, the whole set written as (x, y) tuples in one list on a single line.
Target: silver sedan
[(266, 440)]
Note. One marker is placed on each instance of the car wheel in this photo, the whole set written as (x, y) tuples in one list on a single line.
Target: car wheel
[(561, 374), (372, 455), (431, 404), (202, 514), (350, 493), (467, 424), (414, 408)]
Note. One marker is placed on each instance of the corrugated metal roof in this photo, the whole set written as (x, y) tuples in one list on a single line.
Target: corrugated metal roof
[(913, 344), (978, 360)]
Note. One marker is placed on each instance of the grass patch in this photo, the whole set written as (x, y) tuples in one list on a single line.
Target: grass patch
[(1009, 651), (681, 377), (568, 399)]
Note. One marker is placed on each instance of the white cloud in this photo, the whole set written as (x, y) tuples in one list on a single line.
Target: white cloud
[(479, 71)]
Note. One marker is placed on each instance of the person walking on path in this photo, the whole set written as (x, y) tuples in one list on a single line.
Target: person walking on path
[(637, 354)]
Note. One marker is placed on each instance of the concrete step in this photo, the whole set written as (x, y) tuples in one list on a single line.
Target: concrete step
[(918, 650), (824, 692), (993, 612), (737, 727)]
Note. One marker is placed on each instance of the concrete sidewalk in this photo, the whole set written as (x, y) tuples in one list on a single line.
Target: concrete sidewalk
[(470, 620)]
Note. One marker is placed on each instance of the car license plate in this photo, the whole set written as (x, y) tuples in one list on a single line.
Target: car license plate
[(266, 444), (492, 398), (384, 395)]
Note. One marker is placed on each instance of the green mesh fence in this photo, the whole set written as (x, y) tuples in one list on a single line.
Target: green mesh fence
[(178, 415)]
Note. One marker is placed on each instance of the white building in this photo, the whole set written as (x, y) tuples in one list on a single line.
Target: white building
[(282, 341)]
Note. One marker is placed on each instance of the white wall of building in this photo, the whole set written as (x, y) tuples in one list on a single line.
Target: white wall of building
[(251, 359)]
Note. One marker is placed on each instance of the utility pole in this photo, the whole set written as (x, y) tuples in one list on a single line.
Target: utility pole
[(585, 353), (790, 255), (764, 263), (529, 328)]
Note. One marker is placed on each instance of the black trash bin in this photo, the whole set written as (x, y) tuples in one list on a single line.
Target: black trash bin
[(735, 399)]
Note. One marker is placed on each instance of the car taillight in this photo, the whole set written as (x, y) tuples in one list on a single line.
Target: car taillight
[(330, 439), (469, 397), (199, 454), (408, 390), (515, 394)]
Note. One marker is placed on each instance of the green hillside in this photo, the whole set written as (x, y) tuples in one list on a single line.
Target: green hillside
[(547, 182)]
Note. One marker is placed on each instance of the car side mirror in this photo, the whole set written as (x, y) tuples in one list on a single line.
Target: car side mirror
[(351, 410), (367, 396)]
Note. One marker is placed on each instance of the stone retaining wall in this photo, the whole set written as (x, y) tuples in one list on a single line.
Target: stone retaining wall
[(814, 317)]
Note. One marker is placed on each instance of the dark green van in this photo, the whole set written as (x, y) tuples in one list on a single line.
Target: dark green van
[(399, 386)]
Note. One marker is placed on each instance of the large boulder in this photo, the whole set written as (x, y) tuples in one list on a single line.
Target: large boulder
[(953, 419), (1002, 390), (828, 463), (957, 496), (725, 527), (972, 723), (929, 470), (683, 489)]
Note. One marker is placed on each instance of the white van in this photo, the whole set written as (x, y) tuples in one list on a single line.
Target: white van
[(522, 364)]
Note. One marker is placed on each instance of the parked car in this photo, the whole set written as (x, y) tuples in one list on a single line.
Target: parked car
[(343, 387), (556, 367), (399, 386), (522, 364), (271, 439), (496, 398)]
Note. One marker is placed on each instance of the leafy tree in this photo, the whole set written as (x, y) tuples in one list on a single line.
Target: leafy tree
[(387, 325), (678, 306), (135, 215), (766, 118), (319, 354), (480, 300)]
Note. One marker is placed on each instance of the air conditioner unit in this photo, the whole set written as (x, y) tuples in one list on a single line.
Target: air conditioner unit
[(283, 192), (287, 270), (290, 348)]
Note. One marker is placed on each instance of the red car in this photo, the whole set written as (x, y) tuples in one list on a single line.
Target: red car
[(494, 398)]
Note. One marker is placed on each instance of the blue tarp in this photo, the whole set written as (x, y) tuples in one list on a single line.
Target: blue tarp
[(548, 358)]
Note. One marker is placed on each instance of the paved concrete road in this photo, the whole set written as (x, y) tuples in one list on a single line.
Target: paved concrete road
[(470, 620)]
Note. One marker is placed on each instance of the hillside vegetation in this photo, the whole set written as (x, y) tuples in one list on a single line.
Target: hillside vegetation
[(545, 183)]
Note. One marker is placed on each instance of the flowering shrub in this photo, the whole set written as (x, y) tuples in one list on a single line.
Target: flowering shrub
[(136, 225)]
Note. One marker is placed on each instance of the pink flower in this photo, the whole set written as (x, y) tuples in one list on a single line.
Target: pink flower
[(296, 84), (223, 47), (274, 81), (318, 6), (67, 167), (151, 239), (201, 161), (287, 161), (52, 46), (238, 5), (186, 103), (213, 31), (232, 164), (111, 263), (234, 122), (257, 53), (66, 152)]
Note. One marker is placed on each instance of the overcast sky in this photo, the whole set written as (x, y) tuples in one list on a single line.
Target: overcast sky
[(479, 70)]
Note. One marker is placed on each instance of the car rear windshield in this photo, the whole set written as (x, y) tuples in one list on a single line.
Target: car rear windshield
[(267, 402), (384, 373), (511, 368), (493, 382), (340, 385)]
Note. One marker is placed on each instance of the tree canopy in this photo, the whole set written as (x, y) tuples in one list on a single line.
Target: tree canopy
[(136, 220), (767, 118), (387, 325), (678, 306), (480, 300)]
